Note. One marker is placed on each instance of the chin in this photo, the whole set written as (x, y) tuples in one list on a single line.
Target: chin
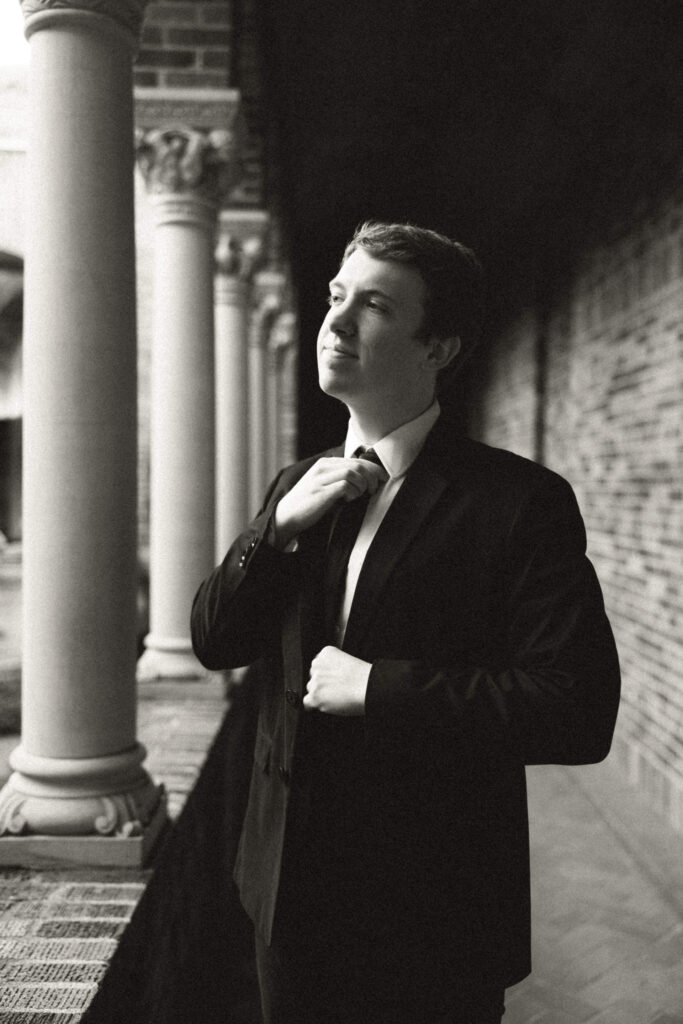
[(331, 385)]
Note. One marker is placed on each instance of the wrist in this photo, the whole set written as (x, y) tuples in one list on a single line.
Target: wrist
[(280, 535)]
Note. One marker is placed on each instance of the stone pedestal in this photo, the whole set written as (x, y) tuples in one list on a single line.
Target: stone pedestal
[(239, 248), (78, 772), (186, 171)]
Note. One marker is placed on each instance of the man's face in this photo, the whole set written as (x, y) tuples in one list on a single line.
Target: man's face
[(369, 351)]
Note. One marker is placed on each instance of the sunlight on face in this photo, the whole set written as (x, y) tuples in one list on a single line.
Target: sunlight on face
[(369, 349)]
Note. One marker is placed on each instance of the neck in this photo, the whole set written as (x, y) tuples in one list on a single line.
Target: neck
[(373, 424)]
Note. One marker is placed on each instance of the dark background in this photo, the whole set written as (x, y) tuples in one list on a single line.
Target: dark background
[(518, 128)]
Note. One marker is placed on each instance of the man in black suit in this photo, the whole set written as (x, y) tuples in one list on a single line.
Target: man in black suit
[(384, 853)]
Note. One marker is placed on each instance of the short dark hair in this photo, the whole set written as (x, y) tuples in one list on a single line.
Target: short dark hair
[(453, 277)]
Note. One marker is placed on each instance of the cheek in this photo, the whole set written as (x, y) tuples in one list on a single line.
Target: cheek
[(321, 335)]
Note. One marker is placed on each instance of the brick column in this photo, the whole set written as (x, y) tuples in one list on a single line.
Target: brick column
[(78, 791), (186, 171), (239, 248), (269, 292)]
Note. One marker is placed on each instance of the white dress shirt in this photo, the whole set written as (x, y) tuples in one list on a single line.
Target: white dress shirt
[(397, 452)]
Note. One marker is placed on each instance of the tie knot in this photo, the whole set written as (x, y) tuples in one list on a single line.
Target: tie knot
[(369, 454)]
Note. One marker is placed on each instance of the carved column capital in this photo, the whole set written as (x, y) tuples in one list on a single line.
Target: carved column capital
[(177, 161), (237, 258), (240, 250), (268, 291), (284, 331), (127, 14)]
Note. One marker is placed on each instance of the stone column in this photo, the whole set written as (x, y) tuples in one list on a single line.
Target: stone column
[(269, 291), (185, 171), (78, 791), (238, 251), (280, 345), (288, 388)]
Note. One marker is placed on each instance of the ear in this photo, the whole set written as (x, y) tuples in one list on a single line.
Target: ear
[(442, 351)]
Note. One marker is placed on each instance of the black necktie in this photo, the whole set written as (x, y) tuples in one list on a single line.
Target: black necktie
[(344, 531)]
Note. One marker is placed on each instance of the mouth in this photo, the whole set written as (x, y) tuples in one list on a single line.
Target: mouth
[(337, 352)]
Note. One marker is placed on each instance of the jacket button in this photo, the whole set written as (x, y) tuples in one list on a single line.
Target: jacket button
[(292, 698), (283, 773)]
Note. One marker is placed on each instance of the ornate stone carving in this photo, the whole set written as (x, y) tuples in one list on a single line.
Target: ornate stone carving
[(284, 331), (269, 294), (240, 251), (270, 287), (201, 109), (105, 796), (118, 814), (178, 160), (12, 820), (236, 257), (125, 12)]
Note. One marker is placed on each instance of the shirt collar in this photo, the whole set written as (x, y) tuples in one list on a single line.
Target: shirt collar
[(399, 449)]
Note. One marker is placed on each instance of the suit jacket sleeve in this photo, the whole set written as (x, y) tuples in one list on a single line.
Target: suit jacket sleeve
[(549, 693), (237, 609)]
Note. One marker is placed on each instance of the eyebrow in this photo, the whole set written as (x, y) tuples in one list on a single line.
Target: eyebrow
[(365, 291)]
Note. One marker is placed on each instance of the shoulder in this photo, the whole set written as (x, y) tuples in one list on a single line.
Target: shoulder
[(500, 474)]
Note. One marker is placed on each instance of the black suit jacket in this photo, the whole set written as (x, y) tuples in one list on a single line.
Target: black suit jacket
[(490, 650)]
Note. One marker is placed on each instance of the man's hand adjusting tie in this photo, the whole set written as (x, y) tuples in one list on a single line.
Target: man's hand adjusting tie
[(328, 481)]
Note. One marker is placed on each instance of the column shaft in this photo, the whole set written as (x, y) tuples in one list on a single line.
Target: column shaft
[(78, 767), (258, 426), (80, 398), (232, 398), (182, 489)]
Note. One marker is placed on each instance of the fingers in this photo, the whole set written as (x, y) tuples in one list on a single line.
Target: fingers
[(326, 482), (350, 477)]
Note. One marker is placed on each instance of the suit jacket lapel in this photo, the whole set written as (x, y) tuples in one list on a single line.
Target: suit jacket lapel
[(420, 491)]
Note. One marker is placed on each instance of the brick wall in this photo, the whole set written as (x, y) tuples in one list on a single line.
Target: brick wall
[(506, 406), (186, 45), (611, 423)]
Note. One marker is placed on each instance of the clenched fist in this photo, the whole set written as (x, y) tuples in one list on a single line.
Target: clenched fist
[(338, 683)]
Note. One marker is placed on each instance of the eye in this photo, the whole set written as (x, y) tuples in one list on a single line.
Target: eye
[(334, 300), (376, 306)]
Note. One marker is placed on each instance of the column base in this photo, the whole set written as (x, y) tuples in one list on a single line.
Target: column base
[(160, 663), (96, 810), (84, 851)]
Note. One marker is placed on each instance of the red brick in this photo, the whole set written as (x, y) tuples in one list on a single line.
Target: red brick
[(200, 79), (166, 58), (216, 59), (198, 37)]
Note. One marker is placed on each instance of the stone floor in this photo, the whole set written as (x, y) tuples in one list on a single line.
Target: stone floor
[(607, 905)]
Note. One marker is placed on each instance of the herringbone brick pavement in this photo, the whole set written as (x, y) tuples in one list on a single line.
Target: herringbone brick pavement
[(607, 879)]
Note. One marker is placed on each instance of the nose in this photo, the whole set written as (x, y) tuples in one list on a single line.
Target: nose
[(341, 318)]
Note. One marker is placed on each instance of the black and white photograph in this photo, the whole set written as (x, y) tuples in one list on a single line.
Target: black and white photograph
[(341, 512)]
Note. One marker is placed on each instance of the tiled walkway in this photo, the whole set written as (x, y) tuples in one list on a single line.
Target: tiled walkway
[(607, 905)]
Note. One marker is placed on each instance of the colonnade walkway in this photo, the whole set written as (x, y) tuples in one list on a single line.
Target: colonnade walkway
[(607, 879)]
